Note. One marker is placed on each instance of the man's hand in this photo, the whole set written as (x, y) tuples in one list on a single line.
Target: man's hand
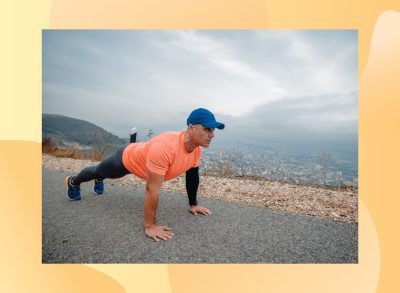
[(156, 232), (199, 210)]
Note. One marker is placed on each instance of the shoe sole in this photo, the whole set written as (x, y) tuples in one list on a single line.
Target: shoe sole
[(66, 186)]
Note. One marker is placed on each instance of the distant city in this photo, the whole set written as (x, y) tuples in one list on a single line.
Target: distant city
[(295, 167), (331, 165)]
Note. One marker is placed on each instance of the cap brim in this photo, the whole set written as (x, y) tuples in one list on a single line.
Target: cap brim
[(215, 124)]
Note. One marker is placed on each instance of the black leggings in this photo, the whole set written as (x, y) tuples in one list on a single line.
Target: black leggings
[(111, 167)]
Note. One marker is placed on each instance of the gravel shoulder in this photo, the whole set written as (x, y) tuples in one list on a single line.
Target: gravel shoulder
[(312, 201)]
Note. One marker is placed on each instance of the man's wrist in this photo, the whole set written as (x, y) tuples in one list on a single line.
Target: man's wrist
[(147, 226)]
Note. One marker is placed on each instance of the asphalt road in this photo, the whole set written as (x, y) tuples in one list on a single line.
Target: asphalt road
[(108, 228)]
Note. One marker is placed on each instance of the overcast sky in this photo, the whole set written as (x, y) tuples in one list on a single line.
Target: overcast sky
[(265, 85)]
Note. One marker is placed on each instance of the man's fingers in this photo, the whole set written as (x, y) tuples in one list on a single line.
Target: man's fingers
[(159, 233), (165, 236), (200, 210), (161, 236), (205, 212)]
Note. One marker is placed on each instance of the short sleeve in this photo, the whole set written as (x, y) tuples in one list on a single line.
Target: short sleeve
[(159, 158), (199, 152)]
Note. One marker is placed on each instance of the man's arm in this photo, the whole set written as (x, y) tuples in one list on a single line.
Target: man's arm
[(152, 230), (192, 185)]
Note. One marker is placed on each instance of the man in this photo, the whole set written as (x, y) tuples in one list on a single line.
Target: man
[(164, 157)]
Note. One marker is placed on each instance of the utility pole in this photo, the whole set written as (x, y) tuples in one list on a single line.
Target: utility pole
[(151, 132)]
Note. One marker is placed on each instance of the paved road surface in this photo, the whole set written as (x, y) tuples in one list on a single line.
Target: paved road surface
[(108, 229)]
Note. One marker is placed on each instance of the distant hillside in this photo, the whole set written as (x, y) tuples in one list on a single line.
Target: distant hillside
[(65, 131)]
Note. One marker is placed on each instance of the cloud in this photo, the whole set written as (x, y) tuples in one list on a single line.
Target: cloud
[(264, 84), (236, 80)]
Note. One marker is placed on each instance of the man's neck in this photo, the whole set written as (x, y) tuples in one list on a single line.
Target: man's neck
[(188, 143)]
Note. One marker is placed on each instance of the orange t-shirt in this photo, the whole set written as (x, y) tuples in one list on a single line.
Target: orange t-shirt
[(164, 154)]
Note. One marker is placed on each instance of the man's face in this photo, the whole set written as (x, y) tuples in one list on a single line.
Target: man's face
[(202, 135)]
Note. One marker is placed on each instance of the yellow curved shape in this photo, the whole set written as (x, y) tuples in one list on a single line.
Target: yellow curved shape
[(379, 142), (21, 267)]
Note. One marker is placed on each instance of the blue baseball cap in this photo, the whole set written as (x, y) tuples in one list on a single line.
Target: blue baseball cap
[(205, 118)]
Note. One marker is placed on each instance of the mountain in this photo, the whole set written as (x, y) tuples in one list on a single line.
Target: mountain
[(65, 131)]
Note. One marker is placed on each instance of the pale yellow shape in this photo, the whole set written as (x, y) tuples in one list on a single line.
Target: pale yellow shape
[(361, 277), (379, 141), (138, 278), (21, 25), (21, 268), (155, 14)]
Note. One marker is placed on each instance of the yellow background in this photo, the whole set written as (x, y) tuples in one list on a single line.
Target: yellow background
[(378, 23)]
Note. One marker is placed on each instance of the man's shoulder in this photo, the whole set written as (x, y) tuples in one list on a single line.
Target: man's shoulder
[(167, 140)]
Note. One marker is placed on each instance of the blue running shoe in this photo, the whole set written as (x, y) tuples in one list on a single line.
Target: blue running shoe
[(98, 187), (74, 192)]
